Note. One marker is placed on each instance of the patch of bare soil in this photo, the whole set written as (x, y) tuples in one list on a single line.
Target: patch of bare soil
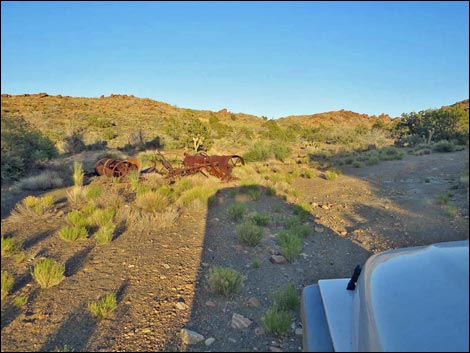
[(161, 277)]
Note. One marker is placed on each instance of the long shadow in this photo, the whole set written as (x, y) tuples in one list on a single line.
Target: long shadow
[(31, 241), (264, 269), (78, 329), (76, 262), (11, 311), (74, 332)]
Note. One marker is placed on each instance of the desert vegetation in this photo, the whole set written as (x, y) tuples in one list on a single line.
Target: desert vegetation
[(49, 146)]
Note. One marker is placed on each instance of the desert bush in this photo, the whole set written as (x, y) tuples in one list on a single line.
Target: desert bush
[(443, 146), (331, 174), (32, 207), (10, 246), (78, 218), (290, 243), (73, 143), (105, 233), (287, 298), (103, 216), (237, 210), (249, 233), (390, 153), (262, 151), (22, 148), (253, 191), (103, 307), (442, 199), (225, 281), (93, 192), (78, 174), (451, 211), (7, 283), (302, 210), (43, 181), (276, 321), (73, 233), (260, 218), (48, 273), (152, 202)]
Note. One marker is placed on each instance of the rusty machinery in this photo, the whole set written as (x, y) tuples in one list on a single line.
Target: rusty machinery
[(218, 166)]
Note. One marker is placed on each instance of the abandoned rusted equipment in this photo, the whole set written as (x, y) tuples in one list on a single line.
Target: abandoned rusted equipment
[(218, 166), (115, 167)]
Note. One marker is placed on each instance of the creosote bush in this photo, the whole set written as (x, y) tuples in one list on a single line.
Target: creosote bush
[(249, 233), (48, 273), (225, 281)]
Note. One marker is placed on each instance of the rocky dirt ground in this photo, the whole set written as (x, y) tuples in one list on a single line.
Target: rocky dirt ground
[(161, 277)]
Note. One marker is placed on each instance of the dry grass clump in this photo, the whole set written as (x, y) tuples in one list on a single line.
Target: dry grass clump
[(32, 207), (139, 221), (44, 181), (152, 202)]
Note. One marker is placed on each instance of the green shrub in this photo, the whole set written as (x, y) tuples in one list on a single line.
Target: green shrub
[(253, 191), (21, 300), (48, 273), (331, 174), (302, 210), (277, 321), (10, 246), (103, 216), (249, 233), (225, 281), (93, 192), (390, 153), (287, 298), (290, 243), (7, 283), (77, 219), (105, 234), (73, 233), (103, 307), (443, 146), (237, 211), (260, 218), (22, 148)]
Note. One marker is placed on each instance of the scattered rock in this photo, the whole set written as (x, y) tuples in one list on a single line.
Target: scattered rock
[(259, 331), (253, 302), (240, 322), (190, 337), (181, 306), (299, 331), (275, 349), (319, 229), (211, 304), (278, 259), (209, 341)]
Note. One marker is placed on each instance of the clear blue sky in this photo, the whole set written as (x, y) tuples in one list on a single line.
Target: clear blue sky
[(263, 58)]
